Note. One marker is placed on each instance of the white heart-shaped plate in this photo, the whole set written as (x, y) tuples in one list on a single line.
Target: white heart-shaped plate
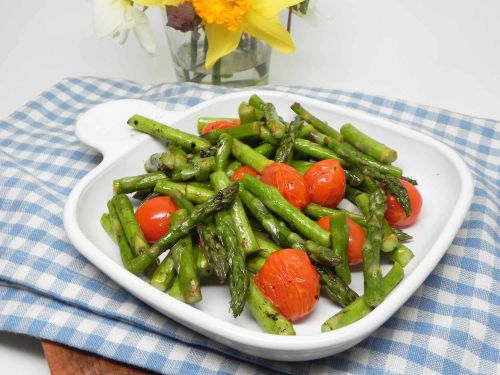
[(445, 183)]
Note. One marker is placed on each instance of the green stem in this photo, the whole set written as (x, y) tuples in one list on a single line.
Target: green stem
[(216, 72)]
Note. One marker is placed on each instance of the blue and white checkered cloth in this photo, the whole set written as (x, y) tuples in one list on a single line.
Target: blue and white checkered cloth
[(47, 290)]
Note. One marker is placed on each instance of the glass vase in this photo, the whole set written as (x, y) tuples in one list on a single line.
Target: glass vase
[(247, 65)]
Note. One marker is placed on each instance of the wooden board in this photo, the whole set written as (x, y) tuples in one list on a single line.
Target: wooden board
[(64, 360)]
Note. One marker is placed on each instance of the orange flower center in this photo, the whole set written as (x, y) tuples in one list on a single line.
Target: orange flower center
[(222, 12)]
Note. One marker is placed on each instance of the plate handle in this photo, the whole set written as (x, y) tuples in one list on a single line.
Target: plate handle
[(105, 128)]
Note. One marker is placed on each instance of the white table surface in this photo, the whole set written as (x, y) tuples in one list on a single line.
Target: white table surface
[(441, 53)]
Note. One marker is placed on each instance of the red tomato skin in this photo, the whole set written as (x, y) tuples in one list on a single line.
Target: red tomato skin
[(221, 124), (395, 215), (289, 280), (153, 217), (242, 171), (326, 183), (289, 183), (356, 238)]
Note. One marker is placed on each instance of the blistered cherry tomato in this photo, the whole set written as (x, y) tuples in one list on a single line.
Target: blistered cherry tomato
[(395, 214), (153, 217), (242, 171), (290, 282), (356, 238), (221, 124), (326, 183), (289, 182)]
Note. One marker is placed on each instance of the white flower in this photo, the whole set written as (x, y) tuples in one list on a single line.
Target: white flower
[(117, 17)]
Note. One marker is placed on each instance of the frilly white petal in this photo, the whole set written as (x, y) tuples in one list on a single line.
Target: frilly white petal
[(143, 31), (123, 35), (108, 16)]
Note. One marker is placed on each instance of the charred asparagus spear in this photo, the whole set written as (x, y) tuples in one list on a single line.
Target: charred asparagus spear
[(213, 250), (238, 275), (220, 201), (244, 232), (371, 249), (266, 315), (284, 153), (368, 145), (251, 129), (321, 126), (360, 308), (316, 211), (185, 140), (192, 192), (339, 231), (132, 184), (116, 230), (247, 113), (335, 288), (264, 149), (130, 226), (275, 202), (185, 262), (401, 255), (284, 236), (223, 152), (273, 122), (164, 274)]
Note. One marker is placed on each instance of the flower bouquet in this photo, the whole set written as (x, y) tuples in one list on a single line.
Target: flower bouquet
[(211, 41)]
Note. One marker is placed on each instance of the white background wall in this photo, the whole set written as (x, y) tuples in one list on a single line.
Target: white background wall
[(444, 53)]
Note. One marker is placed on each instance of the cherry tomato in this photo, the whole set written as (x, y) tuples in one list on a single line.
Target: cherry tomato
[(356, 238), (153, 217), (290, 282), (242, 171), (325, 182), (395, 215), (221, 124), (289, 182)]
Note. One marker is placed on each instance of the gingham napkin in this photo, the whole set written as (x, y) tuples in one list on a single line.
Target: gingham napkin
[(47, 290)]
